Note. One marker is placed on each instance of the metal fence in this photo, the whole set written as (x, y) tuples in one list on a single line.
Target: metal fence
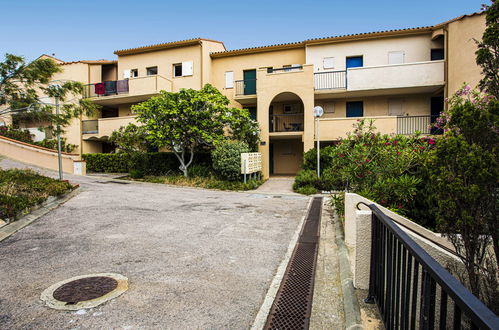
[(411, 124), (292, 122), (412, 290), (245, 87), (330, 80), (90, 126)]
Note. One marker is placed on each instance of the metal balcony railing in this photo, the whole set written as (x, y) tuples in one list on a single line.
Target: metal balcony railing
[(245, 87), (286, 122), (412, 290), (412, 124), (285, 69), (90, 126), (106, 88), (330, 80)]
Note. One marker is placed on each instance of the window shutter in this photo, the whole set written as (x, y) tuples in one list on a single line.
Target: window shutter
[(229, 79), (396, 57), (395, 107), (329, 107), (328, 62), (187, 68), (127, 74)]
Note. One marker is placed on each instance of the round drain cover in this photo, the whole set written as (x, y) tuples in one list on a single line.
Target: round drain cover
[(85, 289)]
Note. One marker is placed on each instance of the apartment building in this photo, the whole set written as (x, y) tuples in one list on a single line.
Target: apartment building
[(399, 78)]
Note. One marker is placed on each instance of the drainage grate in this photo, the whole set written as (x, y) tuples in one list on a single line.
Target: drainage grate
[(85, 289), (118, 182), (293, 303)]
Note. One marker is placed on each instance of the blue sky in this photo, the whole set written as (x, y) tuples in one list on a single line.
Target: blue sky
[(77, 29)]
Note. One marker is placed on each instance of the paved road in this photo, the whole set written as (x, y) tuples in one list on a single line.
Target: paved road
[(194, 258)]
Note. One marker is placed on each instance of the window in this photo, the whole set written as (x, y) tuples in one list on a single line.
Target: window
[(395, 107), (437, 54), (328, 63), (182, 69), (329, 107), (287, 67), (229, 79), (396, 57), (134, 73), (355, 109), (252, 112), (355, 62), (291, 108), (152, 71)]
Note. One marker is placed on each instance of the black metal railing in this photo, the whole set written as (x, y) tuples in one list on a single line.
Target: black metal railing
[(330, 80), (106, 88), (417, 124), (90, 126), (286, 122), (245, 87), (412, 290), (285, 69)]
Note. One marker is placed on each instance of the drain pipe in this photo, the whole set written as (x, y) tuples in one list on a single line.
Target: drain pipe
[(350, 303)]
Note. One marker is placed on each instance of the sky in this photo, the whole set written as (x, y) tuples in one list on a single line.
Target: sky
[(90, 30)]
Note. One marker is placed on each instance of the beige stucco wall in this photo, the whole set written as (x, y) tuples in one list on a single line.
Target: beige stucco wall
[(461, 49), (207, 48), (164, 60), (238, 64)]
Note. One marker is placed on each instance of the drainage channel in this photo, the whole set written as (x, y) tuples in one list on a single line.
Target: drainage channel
[(293, 303)]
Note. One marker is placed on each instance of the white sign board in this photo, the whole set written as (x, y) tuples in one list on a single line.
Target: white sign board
[(251, 162)]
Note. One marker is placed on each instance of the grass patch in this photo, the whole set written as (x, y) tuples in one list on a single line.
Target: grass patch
[(201, 182), (23, 189)]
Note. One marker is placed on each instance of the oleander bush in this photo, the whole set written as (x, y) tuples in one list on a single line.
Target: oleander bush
[(22, 189)]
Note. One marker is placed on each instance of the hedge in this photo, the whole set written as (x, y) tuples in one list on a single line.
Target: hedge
[(150, 163)]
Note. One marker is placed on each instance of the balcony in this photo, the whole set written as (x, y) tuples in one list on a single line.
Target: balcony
[(417, 77), (102, 128), (290, 123), (128, 90), (338, 128)]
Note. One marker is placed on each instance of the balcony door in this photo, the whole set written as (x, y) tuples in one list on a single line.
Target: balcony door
[(355, 62), (249, 77), (355, 109)]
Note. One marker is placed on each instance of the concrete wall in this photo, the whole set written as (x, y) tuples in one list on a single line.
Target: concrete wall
[(461, 49), (39, 156)]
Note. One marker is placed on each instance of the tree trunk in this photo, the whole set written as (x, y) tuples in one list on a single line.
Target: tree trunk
[(181, 157)]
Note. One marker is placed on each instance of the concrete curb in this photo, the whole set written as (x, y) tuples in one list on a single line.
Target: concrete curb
[(350, 303), (261, 317), (38, 212)]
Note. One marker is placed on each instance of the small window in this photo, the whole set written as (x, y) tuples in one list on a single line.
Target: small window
[(152, 71), (177, 70), (395, 107), (355, 109), (328, 63), (134, 73), (229, 79), (437, 54), (396, 57), (355, 62), (329, 107)]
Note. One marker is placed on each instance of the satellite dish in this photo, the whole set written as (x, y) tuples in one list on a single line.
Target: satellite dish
[(318, 111)]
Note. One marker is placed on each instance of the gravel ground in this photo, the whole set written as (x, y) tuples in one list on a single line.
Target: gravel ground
[(195, 259)]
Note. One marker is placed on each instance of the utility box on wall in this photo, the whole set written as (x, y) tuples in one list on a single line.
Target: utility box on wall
[(251, 162)]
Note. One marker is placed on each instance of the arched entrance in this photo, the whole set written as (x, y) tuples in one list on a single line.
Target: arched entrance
[(286, 125)]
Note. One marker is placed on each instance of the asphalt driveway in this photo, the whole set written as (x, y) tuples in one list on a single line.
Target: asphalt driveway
[(195, 259)]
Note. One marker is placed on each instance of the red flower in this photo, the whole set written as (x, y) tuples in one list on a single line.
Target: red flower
[(398, 152), (387, 143), (367, 160), (431, 141)]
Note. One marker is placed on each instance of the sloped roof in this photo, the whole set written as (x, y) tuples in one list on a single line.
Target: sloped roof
[(166, 45)]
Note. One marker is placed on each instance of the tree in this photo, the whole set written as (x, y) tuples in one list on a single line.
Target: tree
[(23, 84), (130, 139), (487, 55), (191, 119), (464, 169)]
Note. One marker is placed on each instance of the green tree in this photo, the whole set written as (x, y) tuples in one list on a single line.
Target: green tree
[(192, 119), (130, 139), (23, 84), (487, 55), (463, 171)]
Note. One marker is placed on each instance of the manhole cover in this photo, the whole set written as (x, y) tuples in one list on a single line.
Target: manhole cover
[(85, 291)]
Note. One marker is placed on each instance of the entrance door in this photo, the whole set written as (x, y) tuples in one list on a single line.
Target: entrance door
[(355, 109), (271, 158), (249, 77), (355, 62)]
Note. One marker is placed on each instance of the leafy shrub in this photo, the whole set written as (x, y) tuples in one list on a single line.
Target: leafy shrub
[(22, 189), (204, 182), (306, 178), (306, 190), (226, 159), (16, 134), (151, 163), (200, 171), (52, 144), (338, 202), (136, 174)]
